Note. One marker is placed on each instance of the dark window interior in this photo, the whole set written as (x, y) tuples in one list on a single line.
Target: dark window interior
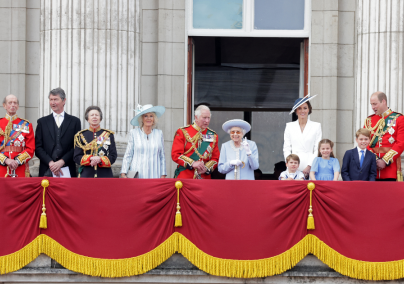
[(255, 79)]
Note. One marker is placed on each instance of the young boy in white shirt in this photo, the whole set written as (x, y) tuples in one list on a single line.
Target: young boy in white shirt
[(292, 173)]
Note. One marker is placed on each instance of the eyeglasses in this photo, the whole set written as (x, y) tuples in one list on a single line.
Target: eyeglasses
[(235, 132)]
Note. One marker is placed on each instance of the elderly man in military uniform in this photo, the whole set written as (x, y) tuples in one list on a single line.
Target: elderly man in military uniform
[(387, 138), (195, 148), (17, 142)]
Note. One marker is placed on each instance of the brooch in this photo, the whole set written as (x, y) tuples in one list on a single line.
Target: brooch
[(391, 131), (391, 140)]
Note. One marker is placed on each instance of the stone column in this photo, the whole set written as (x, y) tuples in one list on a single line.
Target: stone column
[(90, 49), (380, 54)]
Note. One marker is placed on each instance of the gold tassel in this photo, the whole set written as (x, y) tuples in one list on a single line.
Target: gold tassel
[(43, 223), (178, 217), (310, 218), (399, 176)]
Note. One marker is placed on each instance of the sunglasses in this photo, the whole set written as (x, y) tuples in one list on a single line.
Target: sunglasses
[(235, 132)]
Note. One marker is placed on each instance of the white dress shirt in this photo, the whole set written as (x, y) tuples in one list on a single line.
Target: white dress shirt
[(360, 154), (61, 117)]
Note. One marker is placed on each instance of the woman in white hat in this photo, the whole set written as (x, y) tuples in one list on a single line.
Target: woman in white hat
[(145, 151), (238, 157), (302, 136)]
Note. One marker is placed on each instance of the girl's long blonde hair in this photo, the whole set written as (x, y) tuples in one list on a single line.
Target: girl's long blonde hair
[(326, 141)]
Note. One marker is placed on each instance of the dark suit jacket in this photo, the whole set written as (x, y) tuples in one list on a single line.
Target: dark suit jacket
[(351, 169), (45, 141)]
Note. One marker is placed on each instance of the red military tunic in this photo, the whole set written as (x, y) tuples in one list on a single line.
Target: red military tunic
[(387, 142), (191, 144), (17, 142)]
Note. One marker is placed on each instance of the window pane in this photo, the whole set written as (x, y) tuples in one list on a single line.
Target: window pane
[(220, 117), (247, 72), (267, 132), (218, 14), (279, 15)]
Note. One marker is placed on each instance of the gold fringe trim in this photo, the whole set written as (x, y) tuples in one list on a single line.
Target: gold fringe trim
[(244, 268), (364, 270), (17, 260), (89, 265)]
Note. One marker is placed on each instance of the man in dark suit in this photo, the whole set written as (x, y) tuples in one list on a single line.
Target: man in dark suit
[(359, 163), (54, 137)]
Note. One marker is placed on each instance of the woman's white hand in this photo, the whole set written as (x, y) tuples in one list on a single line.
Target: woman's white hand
[(246, 146), (234, 162), (239, 163)]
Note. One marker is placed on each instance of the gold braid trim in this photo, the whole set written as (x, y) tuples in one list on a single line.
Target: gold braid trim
[(197, 138), (209, 165), (186, 159), (377, 130), (106, 162), (365, 270), (6, 134), (23, 157), (388, 157), (2, 159)]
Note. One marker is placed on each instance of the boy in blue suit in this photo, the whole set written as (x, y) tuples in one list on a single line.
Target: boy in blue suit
[(359, 163)]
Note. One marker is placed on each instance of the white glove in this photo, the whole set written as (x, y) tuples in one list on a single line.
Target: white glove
[(239, 163), (234, 162), (246, 147)]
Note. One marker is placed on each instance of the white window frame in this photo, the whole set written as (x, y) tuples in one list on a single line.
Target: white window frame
[(248, 24)]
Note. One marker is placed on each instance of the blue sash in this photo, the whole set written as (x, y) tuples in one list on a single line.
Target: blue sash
[(11, 135)]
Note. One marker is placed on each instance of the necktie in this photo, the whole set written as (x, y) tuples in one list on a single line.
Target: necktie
[(362, 157), (57, 120)]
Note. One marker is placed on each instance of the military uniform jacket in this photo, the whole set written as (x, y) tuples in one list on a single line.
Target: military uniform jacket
[(387, 141), (95, 142), (17, 142), (191, 144)]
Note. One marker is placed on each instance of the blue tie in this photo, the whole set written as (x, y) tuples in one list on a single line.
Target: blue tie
[(362, 157)]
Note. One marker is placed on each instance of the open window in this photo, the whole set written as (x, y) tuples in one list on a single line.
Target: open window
[(255, 79)]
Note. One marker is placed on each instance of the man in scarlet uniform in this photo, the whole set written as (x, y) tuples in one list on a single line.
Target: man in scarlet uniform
[(17, 143), (195, 148), (387, 138)]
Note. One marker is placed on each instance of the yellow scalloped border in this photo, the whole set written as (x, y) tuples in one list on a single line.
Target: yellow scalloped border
[(364, 270)]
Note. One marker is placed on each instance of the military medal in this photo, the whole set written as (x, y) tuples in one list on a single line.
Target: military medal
[(391, 130), (391, 140)]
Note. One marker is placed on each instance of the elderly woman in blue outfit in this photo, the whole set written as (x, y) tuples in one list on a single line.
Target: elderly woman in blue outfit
[(145, 151), (238, 157)]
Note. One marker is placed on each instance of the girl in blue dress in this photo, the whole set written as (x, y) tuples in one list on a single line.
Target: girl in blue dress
[(325, 166)]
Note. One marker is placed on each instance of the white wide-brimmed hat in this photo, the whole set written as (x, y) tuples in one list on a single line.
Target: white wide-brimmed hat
[(158, 110), (301, 101), (236, 123)]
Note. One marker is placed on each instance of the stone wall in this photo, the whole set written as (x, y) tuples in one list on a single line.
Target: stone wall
[(332, 59), (20, 54)]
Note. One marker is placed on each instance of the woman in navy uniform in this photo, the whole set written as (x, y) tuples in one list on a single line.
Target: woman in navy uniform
[(94, 148)]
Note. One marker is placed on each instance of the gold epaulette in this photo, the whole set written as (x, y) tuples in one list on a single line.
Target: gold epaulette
[(26, 120), (212, 130), (185, 126), (110, 131)]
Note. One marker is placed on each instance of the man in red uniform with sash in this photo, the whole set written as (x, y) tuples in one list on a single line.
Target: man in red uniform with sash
[(387, 138), (195, 148), (17, 142)]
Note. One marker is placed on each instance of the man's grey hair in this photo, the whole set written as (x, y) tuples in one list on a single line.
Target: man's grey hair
[(58, 92), (5, 100), (199, 110)]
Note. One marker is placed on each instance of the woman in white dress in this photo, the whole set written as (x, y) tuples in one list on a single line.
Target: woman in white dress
[(145, 151), (302, 136)]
